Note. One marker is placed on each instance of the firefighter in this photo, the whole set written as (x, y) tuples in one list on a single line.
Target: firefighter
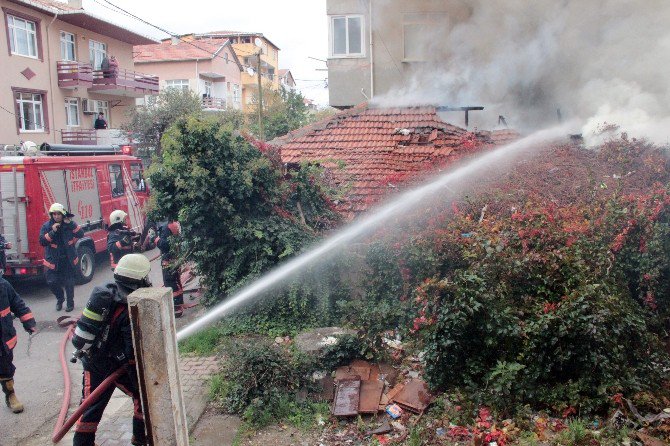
[(10, 302), (58, 236), (108, 306), (171, 269), (4, 244), (120, 239)]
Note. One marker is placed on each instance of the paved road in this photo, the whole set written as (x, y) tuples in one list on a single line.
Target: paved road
[(39, 380)]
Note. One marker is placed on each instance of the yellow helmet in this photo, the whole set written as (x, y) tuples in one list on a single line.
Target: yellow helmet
[(57, 207), (117, 216)]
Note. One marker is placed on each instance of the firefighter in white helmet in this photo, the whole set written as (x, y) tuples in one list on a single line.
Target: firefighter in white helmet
[(107, 312), (121, 240), (59, 236)]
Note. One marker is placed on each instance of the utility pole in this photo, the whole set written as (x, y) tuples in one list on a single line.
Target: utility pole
[(260, 95)]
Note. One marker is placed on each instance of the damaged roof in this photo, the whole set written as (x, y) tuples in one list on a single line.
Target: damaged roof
[(371, 150)]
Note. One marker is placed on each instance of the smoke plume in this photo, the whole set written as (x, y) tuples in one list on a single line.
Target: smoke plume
[(600, 61)]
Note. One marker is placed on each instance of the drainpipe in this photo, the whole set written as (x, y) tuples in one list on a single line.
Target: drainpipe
[(197, 78), (372, 58), (51, 82)]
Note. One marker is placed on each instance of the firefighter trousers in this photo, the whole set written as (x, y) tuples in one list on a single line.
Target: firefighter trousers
[(87, 425), (7, 368), (172, 279), (61, 282)]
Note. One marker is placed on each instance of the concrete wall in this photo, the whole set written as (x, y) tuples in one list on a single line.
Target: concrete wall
[(348, 75), (46, 78)]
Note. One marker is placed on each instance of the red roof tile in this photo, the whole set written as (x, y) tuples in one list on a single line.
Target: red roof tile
[(380, 147), (181, 51)]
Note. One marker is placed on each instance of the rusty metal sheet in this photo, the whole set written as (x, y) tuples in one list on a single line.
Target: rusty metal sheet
[(327, 392), (347, 396), (394, 391), (361, 368), (388, 373), (648, 440), (371, 393), (414, 397)]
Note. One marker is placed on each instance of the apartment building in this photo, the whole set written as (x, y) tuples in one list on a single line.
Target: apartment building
[(286, 79), (63, 66), (375, 46), (210, 69), (245, 46)]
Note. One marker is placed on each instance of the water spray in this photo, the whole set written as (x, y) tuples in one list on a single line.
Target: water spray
[(400, 205)]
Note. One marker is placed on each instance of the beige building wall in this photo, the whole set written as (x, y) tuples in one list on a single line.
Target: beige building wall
[(45, 77), (250, 83), (354, 79)]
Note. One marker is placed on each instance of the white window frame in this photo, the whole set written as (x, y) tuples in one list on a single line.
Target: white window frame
[(102, 106), (35, 102), (64, 43), (207, 87), (31, 36), (331, 38), (182, 84), (96, 49), (72, 104)]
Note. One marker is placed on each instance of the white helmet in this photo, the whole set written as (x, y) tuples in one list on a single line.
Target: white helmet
[(133, 269), (57, 207), (117, 216)]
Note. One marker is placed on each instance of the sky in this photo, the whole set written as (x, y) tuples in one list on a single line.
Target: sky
[(299, 28)]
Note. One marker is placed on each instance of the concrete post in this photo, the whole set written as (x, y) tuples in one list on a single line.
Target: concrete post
[(154, 338)]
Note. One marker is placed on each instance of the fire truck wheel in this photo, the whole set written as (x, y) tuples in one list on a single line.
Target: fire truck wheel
[(86, 264)]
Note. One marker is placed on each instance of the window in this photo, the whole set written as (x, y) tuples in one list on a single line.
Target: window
[(97, 51), (116, 180), (136, 178), (100, 106), (208, 89), (346, 33), (236, 93), (225, 57), (67, 51), (31, 111), (22, 36), (72, 112), (179, 84)]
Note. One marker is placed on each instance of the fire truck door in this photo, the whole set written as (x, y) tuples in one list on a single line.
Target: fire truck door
[(83, 197), (13, 212)]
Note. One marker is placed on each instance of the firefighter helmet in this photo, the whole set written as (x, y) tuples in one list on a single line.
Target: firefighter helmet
[(57, 207), (117, 216), (133, 269)]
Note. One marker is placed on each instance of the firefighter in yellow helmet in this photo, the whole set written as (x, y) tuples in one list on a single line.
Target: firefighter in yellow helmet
[(107, 312), (121, 240), (59, 236)]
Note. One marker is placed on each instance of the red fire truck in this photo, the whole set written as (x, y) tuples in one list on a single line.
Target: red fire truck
[(90, 181)]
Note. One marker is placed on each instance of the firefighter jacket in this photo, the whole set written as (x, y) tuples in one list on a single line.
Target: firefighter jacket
[(10, 302), (3, 257), (119, 243), (116, 349), (163, 240), (60, 244)]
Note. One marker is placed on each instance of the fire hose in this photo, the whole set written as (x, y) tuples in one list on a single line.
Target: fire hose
[(62, 426)]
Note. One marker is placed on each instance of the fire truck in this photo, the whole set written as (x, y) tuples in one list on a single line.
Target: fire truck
[(90, 181)]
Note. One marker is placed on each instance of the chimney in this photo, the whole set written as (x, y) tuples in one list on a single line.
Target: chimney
[(175, 40), (76, 4)]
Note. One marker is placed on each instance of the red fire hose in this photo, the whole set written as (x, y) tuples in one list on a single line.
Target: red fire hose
[(62, 427)]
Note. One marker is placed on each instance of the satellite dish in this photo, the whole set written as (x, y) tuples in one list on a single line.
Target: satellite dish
[(250, 71), (258, 42)]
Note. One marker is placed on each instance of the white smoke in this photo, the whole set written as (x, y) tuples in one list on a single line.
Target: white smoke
[(595, 60)]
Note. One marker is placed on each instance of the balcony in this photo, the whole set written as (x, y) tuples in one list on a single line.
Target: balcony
[(92, 137), (209, 103), (120, 82), (72, 75)]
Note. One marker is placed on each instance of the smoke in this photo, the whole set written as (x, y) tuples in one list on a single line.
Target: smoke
[(598, 61)]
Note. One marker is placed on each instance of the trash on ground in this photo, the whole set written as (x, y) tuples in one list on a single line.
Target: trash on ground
[(648, 440), (414, 396), (346, 400), (371, 393), (383, 429), (394, 411)]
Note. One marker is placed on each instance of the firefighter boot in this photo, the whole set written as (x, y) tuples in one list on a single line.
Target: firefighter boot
[(10, 397)]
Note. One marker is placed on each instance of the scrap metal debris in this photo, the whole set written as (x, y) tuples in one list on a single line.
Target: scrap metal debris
[(347, 398)]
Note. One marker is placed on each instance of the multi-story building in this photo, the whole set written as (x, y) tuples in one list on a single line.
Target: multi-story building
[(286, 79), (376, 46), (244, 45), (63, 66), (211, 69)]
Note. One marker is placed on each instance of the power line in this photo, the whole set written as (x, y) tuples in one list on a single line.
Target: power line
[(10, 112)]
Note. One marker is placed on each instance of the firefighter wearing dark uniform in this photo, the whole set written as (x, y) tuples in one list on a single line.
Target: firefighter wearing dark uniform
[(171, 270), (104, 356), (10, 302), (120, 239), (3, 258), (58, 236)]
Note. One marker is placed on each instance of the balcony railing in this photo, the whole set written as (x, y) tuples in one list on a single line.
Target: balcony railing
[(214, 103), (92, 137), (123, 82), (74, 74)]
